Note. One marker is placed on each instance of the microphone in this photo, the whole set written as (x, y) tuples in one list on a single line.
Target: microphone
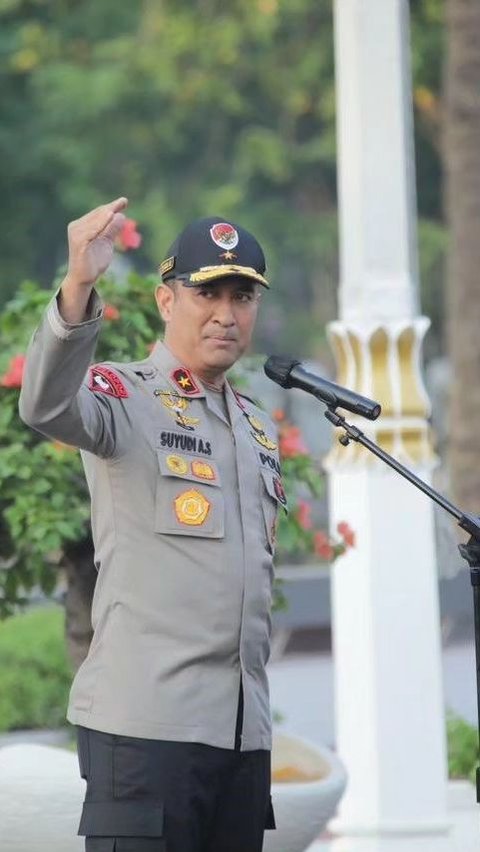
[(290, 373)]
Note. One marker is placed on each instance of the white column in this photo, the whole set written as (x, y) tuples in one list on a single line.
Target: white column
[(389, 699)]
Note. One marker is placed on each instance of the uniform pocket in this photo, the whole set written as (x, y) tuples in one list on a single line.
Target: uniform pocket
[(186, 506), (122, 818), (99, 844), (124, 844)]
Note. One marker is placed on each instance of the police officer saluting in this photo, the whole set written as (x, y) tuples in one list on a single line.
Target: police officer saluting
[(171, 704)]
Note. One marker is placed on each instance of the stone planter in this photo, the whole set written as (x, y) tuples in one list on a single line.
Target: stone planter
[(302, 807), (41, 796)]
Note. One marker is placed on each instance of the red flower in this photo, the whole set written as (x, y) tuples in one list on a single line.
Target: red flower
[(292, 443), (110, 312), (129, 238), (14, 375), (304, 512), (347, 533), (322, 546)]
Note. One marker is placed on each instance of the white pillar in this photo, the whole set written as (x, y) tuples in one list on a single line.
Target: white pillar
[(389, 699)]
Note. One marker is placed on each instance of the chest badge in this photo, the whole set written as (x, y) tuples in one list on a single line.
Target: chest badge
[(177, 464), (191, 508), (259, 433), (176, 405), (203, 470)]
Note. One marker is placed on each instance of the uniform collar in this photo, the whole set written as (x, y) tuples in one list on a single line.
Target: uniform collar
[(179, 377), (176, 373)]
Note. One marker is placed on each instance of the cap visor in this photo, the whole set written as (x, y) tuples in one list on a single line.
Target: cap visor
[(212, 273)]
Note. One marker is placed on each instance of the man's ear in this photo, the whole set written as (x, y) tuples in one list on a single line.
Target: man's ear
[(164, 297)]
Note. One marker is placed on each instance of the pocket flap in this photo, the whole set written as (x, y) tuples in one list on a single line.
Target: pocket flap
[(275, 488), (192, 468), (122, 818)]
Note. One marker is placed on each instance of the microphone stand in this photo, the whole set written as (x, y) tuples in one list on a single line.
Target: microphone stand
[(469, 522)]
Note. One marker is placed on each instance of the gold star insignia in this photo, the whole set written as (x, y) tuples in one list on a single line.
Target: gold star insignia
[(229, 255), (184, 381)]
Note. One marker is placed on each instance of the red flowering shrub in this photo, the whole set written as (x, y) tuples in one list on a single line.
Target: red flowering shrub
[(297, 536), (291, 442), (304, 515), (13, 377), (129, 238), (110, 312), (44, 500)]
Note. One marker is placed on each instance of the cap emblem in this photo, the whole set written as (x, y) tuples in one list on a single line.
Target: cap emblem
[(224, 235)]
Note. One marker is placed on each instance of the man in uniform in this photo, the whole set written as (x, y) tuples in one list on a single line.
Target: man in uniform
[(171, 704)]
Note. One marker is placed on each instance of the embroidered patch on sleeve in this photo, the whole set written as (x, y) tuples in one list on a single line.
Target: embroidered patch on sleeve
[(104, 380)]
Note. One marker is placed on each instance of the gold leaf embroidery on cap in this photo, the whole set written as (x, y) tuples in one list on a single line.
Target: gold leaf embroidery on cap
[(206, 273)]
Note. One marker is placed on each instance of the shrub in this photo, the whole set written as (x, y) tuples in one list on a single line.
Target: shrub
[(35, 675), (463, 750)]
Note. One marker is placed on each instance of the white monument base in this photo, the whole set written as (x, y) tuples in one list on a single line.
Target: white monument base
[(388, 685)]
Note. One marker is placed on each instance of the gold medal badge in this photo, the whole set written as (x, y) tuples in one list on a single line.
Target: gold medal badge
[(191, 508), (177, 464), (203, 470)]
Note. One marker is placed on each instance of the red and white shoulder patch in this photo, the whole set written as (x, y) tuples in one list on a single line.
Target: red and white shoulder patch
[(104, 380)]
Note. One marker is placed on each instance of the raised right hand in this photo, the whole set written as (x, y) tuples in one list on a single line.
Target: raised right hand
[(90, 242)]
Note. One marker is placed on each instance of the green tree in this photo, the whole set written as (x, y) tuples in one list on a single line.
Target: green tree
[(189, 109), (462, 154)]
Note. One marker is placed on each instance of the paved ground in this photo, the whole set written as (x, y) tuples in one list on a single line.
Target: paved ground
[(301, 685)]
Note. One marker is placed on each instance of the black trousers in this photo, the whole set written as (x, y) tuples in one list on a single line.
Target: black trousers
[(165, 796)]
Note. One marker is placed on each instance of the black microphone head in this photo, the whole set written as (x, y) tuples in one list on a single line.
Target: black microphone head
[(278, 368)]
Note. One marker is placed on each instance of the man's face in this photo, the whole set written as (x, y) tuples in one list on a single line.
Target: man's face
[(210, 326)]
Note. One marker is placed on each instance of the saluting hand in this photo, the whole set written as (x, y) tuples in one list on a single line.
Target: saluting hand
[(90, 242), (90, 252)]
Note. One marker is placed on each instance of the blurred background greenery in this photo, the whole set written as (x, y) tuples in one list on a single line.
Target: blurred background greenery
[(194, 109)]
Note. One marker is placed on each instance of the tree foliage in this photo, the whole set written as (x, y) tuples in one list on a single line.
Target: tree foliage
[(189, 109)]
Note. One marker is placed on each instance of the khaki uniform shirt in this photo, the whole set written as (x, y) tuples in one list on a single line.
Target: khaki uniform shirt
[(184, 505)]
